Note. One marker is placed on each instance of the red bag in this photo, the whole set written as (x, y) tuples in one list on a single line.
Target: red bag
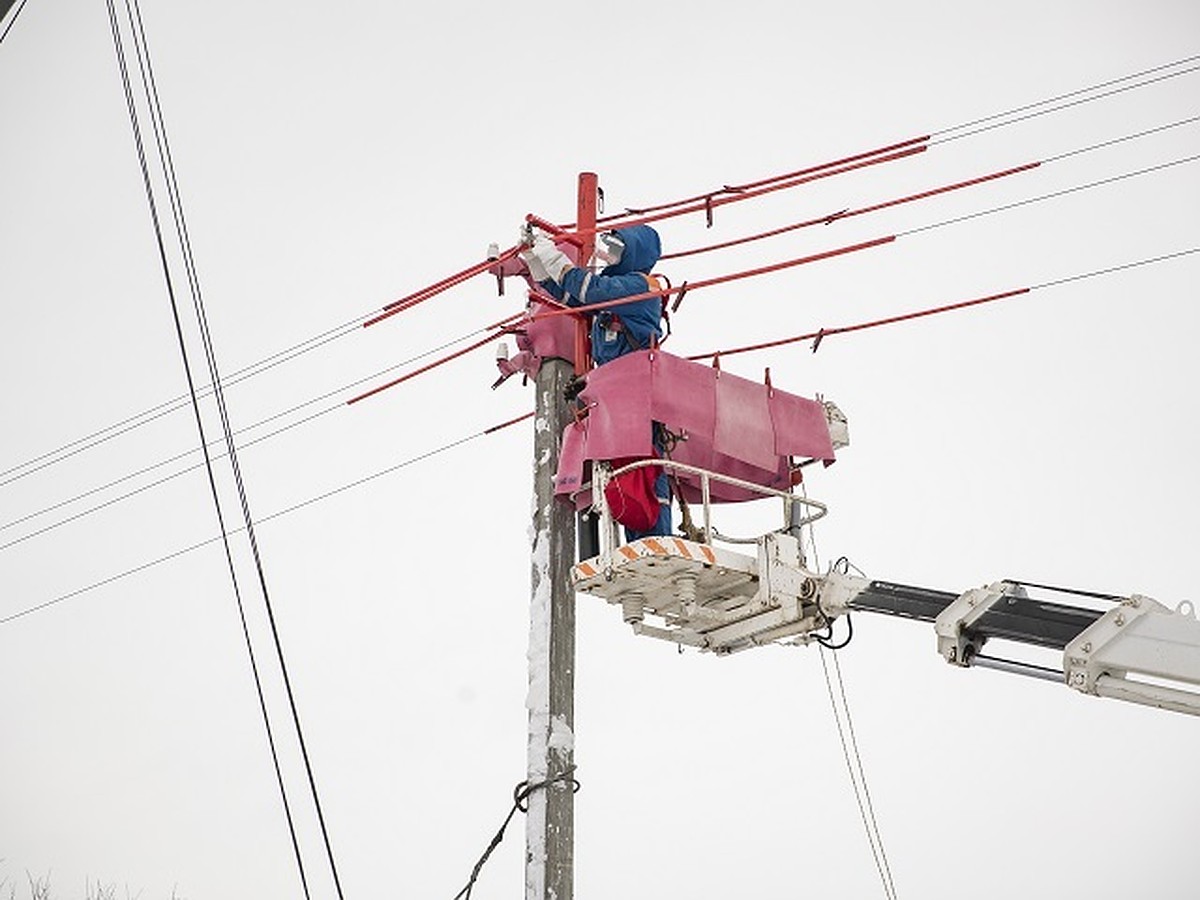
[(631, 498)]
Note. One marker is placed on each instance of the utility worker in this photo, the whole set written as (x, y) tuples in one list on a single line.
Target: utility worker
[(629, 253)]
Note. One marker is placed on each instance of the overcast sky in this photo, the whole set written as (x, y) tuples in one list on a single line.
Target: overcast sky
[(331, 159)]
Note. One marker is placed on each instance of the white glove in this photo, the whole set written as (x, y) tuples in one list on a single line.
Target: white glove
[(525, 241), (543, 256)]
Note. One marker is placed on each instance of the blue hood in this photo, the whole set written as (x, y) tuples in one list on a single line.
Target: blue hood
[(642, 250)]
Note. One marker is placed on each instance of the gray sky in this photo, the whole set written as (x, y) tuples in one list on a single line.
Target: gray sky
[(332, 159)]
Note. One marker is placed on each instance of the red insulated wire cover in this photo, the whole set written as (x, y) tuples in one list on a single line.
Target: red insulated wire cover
[(750, 185), (709, 202), (491, 336), (848, 213), (398, 306), (720, 279)]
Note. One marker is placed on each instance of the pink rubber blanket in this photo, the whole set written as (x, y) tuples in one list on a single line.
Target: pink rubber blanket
[(731, 425)]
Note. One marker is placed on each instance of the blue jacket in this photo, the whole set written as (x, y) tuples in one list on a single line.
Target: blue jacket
[(627, 327)]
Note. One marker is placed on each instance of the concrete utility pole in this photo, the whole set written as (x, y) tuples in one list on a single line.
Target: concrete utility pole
[(550, 820)]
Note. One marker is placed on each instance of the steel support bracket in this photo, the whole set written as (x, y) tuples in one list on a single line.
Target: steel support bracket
[(955, 642), (837, 591), (782, 578), (1140, 637)]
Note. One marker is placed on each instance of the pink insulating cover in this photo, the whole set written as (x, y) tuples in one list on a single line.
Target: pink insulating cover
[(539, 339), (732, 425)]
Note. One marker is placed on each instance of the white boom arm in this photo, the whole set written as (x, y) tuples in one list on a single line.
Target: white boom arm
[(723, 601)]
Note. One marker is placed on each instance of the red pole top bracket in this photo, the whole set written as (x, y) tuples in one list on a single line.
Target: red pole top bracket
[(585, 222)]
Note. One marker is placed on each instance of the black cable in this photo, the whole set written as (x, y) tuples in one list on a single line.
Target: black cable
[(841, 566), (187, 453), (827, 642), (1034, 115), (145, 487), (174, 405), (1128, 137), (134, 12), (157, 412), (251, 427), (1050, 196), (8, 27), (175, 554), (1067, 96), (79, 445), (520, 793), (1111, 269), (137, 135)]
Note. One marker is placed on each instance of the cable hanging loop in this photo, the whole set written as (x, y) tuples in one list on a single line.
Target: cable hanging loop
[(520, 793)]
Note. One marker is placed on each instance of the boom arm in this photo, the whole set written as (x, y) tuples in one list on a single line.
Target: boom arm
[(1127, 652), (723, 601)]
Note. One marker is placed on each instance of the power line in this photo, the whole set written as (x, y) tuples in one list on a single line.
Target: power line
[(1129, 137), (858, 777), (12, 21), (822, 333), (765, 345), (679, 292), (1054, 194), (830, 218), (969, 127), (79, 445), (707, 200), (149, 191), (814, 335), (168, 167), (179, 456), (352, 326), (303, 504), (112, 501)]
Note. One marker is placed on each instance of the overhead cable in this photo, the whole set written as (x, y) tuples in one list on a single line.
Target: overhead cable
[(1054, 194), (933, 137), (850, 213), (858, 778), (1010, 117), (147, 416), (762, 182), (319, 498), (494, 332), (249, 443), (164, 158), (168, 168), (504, 326), (667, 211), (500, 327), (941, 134), (183, 401), (141, 489), (12, 21), (822, 333), (708, 205), (830, 218)]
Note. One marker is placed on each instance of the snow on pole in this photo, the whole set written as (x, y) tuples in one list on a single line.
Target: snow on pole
[(549, 822)]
